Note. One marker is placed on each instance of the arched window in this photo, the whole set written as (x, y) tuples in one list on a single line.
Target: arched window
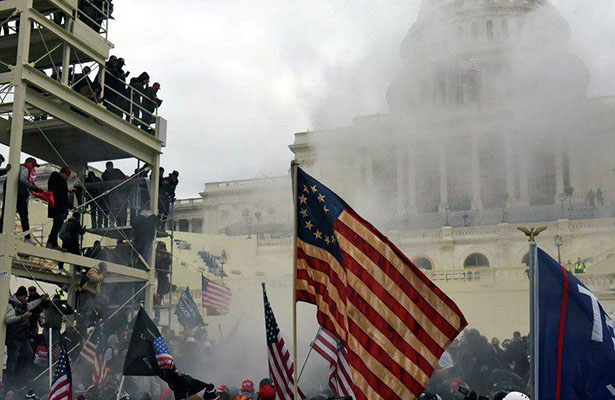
[(423, 263), (505, 28), (474, 31), (526, 259), (489, 29), (475, 260)]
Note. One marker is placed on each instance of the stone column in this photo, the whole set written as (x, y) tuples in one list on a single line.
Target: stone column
[(524, 170), (411, 179), (510, 169), (401, 175), (443, 178), (477, 201), (559, 167)]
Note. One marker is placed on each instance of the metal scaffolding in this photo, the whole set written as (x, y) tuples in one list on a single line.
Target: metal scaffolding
[(45, 117)]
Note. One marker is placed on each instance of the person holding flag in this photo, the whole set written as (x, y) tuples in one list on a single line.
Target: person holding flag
[(149, 355)]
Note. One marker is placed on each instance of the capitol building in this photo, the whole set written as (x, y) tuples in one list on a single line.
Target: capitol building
[(490, 126)]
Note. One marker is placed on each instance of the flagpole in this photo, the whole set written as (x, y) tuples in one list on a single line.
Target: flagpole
[(308, 355), (50, 357), (534, 337), (119, 391), (294, 170)]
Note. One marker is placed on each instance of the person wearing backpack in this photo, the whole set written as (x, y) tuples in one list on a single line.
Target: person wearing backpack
[(89, 291), (70, 234)]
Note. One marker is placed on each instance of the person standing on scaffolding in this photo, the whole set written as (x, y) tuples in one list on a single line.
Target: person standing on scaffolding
[(27, 172), (58, 185), (117, 197), (98, 213), (89, 291)]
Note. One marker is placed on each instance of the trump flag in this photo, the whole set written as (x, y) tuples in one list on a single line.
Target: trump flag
[(576, 349)]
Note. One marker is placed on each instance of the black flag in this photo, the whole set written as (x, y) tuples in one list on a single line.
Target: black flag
[(141, 359), (187, 312), (148, 355), (184, 385)]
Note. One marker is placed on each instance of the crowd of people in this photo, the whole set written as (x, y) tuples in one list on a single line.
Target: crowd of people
[(136, 100), (489, 368)]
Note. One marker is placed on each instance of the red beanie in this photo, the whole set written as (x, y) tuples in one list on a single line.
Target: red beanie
[(267, 392)]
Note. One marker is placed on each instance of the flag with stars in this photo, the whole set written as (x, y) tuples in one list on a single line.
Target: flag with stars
[(163, 356), (281, 366), (392, 320), (62, 381)]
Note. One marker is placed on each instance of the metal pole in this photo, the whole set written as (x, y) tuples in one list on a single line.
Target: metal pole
[(119, 391), (295, 170), (50, 356), (308, 355), (534, 321)]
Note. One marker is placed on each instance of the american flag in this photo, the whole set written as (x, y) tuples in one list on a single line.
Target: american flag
[(92, 355), (281, 366), (163, 354), (392, 320), (340, 376), (62, 384), (216, 295)]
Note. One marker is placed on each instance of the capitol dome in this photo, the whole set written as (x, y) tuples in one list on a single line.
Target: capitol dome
[(461, 52)]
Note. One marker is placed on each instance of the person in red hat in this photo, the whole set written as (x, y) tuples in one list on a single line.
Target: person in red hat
[(150, 103), (58, 185), (247, 391), (27, 174), (266, 392)]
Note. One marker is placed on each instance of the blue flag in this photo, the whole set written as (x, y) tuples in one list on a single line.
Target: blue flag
[(187, 312), (576, 338)]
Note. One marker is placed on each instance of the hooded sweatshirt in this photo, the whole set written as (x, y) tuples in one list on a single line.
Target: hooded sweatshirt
[(94, 281)]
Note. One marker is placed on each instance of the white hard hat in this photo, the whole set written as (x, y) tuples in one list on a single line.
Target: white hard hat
[(516, 396)]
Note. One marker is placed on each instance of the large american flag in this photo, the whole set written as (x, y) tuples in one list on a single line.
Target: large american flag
[(163, 354), (62, 383), (216, 295), (281, 366), (92, 355), (392, 320), (340, 375)]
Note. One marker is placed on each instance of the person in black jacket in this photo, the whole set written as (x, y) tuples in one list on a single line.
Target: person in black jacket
[(71, 233), (58, 185), (137, 88), (98, 207), (150, 102), (117, 197)]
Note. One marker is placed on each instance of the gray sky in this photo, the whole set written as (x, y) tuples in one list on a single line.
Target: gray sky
[(240, 77)]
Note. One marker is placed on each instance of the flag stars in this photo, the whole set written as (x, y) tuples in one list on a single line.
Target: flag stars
[(302, 199), (309, 225), (326, 209), (318, 234), (304, 213), (314, 189), (306, 190), (321, 197), (333, 241), (327, 240)]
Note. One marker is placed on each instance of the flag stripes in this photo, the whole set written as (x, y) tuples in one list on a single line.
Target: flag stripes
[(393, 321), (61, 385), (281, 366), (328, 347), (216, 295)]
